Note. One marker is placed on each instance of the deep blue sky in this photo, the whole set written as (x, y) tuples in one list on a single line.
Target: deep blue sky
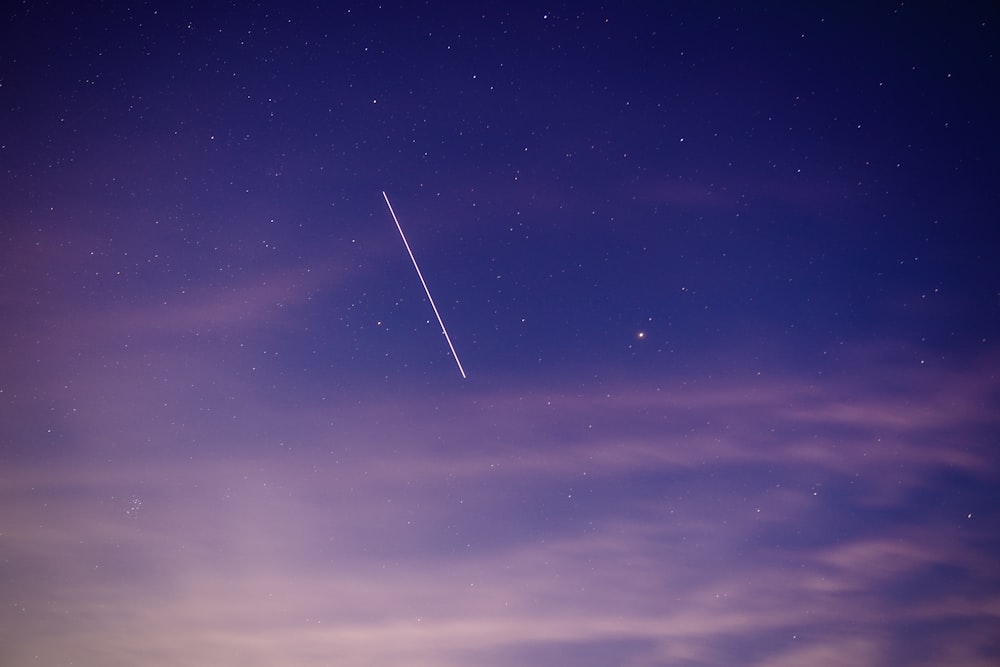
[(724, 280)]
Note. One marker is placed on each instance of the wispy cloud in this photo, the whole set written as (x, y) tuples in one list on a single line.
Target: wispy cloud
[(616, 521)]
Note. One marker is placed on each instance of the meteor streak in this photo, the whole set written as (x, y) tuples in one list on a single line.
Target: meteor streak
[(424, 283)]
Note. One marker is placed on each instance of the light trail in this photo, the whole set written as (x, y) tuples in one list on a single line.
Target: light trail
[(424, 283)]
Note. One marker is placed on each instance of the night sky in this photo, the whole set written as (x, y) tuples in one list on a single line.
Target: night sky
[(724, 280)]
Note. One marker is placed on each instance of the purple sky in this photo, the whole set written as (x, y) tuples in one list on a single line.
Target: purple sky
[(724, 282)]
